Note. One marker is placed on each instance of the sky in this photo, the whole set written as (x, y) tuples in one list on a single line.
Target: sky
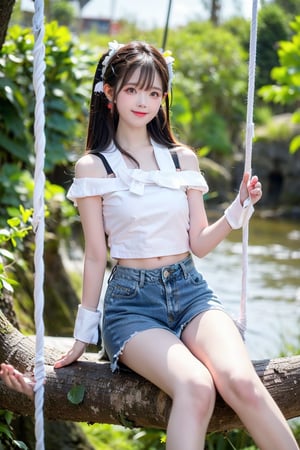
[(151, 13)]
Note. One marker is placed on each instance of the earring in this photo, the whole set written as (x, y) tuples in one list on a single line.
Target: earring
[(109, 105)]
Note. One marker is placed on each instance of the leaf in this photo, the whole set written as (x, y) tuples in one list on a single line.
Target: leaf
[(204, 151), (4, 429), (296, 117), (17, 149), (7, 254), (11, 281), (76, 394), (14, 222), (295, 144), (5, 233), (20, 444), (7, 286)]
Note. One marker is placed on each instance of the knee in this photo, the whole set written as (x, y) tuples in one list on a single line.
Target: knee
[(198, 396), (242, 388)]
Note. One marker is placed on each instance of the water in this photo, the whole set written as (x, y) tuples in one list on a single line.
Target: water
[(273, 304)]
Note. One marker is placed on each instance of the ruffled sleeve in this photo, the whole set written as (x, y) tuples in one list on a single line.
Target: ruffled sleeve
[(193, 180), (90, 187)]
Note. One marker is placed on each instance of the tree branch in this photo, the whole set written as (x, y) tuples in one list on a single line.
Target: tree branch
[(6, 8), (126, 398)]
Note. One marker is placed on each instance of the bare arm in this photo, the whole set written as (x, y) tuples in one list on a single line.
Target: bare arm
[(90, 210), (205, 237)]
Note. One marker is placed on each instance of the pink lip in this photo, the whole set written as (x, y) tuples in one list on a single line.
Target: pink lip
[(139, 114)]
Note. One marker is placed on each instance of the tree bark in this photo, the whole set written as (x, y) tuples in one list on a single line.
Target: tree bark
[(6, 8), (124, 397)]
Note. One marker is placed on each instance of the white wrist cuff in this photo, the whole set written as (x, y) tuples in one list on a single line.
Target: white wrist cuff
[(87, 325), (237, 215)]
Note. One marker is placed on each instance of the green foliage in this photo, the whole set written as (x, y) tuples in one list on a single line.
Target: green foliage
[(272, 27), (295, 426), (239, 27), (287, 77), (7, 440), (67, 72), (209, 87), (111, 437), (17, 186), (290, 7), (17, 227), (63, 12), (11, 238), (230, 440), (68, 77)]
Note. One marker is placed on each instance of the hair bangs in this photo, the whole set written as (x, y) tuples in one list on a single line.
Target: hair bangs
[(146, 73)]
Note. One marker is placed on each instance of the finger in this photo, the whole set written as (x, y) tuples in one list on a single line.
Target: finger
[(66, 360), (16, 380), (246, 178), (256, 194), (61, 362), (73, 354), (5, 368), (25, 385), (253, 182), (7, 374)]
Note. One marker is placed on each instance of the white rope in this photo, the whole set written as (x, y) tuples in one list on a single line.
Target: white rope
[(39, 67), (242, 321)]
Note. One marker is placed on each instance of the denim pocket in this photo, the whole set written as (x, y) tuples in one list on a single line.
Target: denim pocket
[(195, 277), (123, 288)]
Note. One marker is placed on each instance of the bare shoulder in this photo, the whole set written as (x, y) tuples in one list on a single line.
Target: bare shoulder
[(89, 166), (188, 158)]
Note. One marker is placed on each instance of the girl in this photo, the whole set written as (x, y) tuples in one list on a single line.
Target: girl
[(143, 190)]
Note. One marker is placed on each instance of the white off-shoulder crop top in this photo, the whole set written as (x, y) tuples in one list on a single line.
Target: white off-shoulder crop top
[(145, 212)]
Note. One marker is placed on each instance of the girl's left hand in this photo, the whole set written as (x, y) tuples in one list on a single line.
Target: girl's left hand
[(250, 187)]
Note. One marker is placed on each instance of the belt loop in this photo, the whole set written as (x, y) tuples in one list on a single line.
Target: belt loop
[(184, 270), (112, 273), (142, 278)]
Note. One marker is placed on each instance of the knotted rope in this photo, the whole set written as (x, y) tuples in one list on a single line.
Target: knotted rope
[(39, 67), (242, 321)]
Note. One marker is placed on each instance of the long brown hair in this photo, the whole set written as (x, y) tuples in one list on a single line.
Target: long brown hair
[(103, 121)]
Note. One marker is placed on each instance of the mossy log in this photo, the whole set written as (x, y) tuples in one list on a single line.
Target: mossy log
[(125, 398)]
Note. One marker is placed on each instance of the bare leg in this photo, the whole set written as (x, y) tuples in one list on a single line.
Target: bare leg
[(16, 380), (163, 359), (214, 339)]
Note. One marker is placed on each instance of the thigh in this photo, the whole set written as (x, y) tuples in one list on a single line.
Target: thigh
[(160, 357), (215, 340)]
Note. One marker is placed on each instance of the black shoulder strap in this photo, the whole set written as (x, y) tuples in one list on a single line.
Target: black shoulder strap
[(175, 160), (105, 163)]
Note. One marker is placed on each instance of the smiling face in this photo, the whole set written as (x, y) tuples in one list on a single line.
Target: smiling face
[(138, 104), (135, 93)]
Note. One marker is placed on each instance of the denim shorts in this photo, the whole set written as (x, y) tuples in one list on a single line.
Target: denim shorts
[(137, 300)]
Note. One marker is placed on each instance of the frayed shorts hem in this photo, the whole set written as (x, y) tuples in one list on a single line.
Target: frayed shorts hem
[(115, 360)]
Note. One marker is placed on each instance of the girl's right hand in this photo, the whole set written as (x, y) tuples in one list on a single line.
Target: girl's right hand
[(73, 354), (17, 380)]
